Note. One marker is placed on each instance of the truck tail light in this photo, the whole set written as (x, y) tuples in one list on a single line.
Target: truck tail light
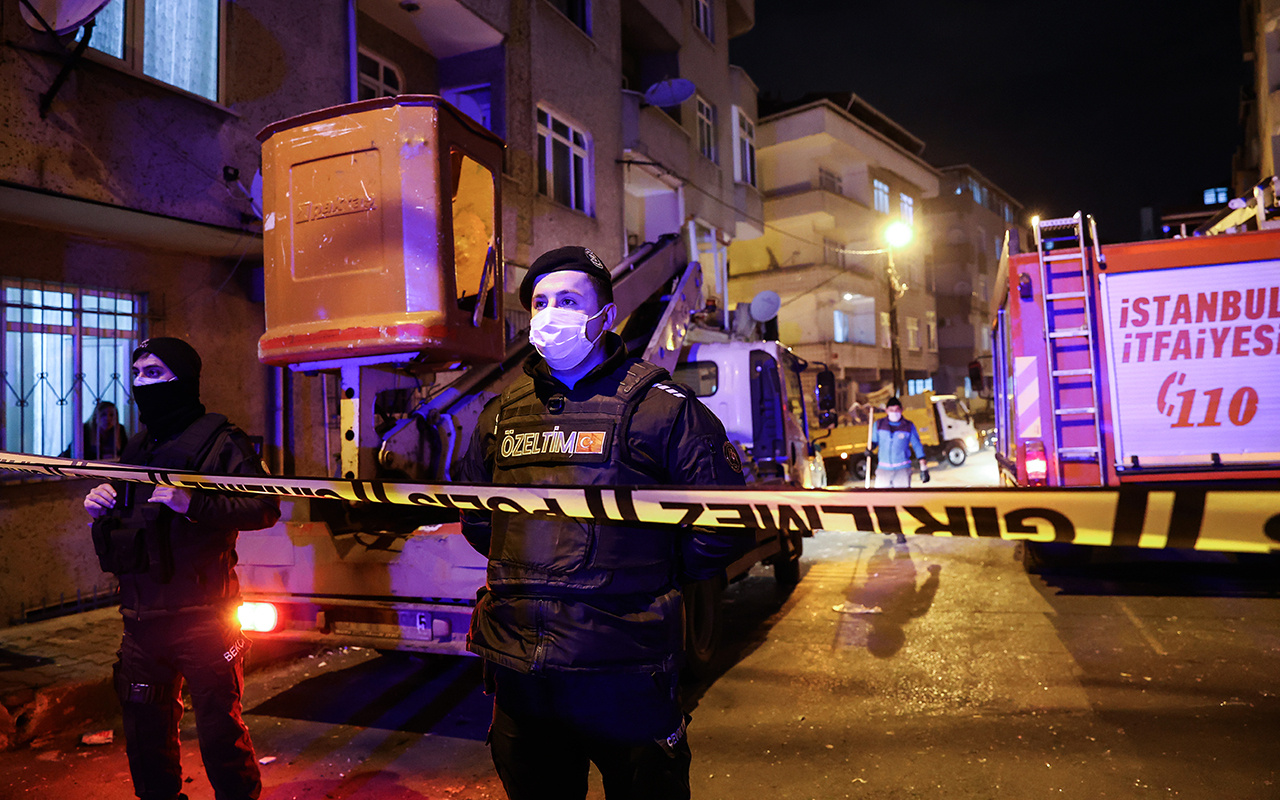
[(1037, 464), (258, 617)]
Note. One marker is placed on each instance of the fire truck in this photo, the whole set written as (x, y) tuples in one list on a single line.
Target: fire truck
[(1152, 364), (383, 270)]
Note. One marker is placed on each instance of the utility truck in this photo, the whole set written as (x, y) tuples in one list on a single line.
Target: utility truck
[(943, 421), (383, 268), (1153, 364)]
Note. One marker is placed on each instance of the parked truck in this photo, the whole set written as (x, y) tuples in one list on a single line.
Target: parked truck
[(1153, 364), (943, 421), (402, 287)]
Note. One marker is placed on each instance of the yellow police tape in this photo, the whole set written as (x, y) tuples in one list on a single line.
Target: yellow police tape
[(1216, 519)]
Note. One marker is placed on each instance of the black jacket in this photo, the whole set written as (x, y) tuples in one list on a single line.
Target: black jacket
[(191, 558), (570, 594)]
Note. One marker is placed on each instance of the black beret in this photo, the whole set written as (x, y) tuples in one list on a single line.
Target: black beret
[(176, 354), (576, 259)]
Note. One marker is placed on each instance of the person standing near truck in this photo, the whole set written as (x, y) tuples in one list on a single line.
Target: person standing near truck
[(897, 439), (580, 622)]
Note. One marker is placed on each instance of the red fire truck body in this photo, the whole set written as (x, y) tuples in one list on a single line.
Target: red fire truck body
[(1155, 361)]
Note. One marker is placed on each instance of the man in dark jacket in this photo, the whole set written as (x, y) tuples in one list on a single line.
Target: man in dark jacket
[(580, 622), (173, 552)]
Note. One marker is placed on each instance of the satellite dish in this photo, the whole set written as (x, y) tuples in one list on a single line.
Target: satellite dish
[(671, 92), (63, 16), (765, 305)]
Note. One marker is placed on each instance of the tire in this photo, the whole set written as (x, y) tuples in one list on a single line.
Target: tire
[(955, 453), (703, 626), (786, 567), (860, 469)]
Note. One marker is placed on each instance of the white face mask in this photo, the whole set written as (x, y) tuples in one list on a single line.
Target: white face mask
[(560, 335), (894, 414)]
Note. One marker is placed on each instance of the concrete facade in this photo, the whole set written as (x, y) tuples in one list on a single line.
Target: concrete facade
[(821, 164), (119, 185), (969, 219)]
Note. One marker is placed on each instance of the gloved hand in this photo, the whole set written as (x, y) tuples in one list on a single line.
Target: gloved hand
[(868, 451), (924, 476)]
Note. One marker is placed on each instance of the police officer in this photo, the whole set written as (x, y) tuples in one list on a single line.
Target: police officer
[(580, 621), (896, 438), (173, 552)]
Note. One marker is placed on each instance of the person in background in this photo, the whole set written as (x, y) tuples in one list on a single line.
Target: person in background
[(580, 622), (104, 436), (897, 439), (173, 551)]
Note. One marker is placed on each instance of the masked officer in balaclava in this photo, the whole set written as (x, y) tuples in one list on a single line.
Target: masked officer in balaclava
[(173, 552), (580, 623)]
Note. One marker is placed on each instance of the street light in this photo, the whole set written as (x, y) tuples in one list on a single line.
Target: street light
[(896, 234)]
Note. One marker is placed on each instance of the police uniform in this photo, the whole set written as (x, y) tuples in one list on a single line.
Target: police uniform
[(580, 621), (178, 597)]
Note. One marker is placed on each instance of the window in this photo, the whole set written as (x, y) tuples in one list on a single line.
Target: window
[(66, 348), (702, 377), (702, 19), (174, 41), (474, 101), (840, 326), (707, 129), (881, 191), (830, 181), (564, 172), (886, 331), (744, 152), (919, 385), (378, 77), (907, 208), (1213, 197), (578, 12), (913, 333), (931, 331)]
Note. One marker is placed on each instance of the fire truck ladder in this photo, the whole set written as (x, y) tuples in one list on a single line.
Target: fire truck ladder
[(1064, 282)]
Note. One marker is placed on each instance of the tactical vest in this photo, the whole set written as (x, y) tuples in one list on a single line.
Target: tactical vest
[(564, 442), (163, 560)]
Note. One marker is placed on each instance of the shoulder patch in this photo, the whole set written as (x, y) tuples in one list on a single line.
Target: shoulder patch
[(731, 455)]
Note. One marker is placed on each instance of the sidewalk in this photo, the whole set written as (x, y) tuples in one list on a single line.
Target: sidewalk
[(55, 676)]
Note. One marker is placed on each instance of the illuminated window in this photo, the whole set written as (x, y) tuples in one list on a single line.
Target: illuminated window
[(174, 41), (564, 171), (1213, 197), (913, 333), (707, 129), (907, 208), (881, 195), (66, 348), (378, 77), (744, 153), (702, 18), (931, 331), (886, 330)]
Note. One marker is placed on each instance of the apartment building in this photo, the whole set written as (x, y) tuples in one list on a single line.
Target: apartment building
[(969, 219), (835, 172), (129, 205)]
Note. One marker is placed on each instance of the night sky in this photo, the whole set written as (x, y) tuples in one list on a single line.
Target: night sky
[(1104, 106)]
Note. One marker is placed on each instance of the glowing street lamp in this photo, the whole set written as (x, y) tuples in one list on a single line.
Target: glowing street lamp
[(896, 234)]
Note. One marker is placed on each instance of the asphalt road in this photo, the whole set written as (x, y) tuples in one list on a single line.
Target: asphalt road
[(971, 679)]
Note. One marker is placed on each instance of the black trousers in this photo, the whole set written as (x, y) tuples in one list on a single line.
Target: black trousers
[(549, 728), (207, 649)]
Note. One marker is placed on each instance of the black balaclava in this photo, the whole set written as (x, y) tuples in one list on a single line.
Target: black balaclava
[(168, 408)]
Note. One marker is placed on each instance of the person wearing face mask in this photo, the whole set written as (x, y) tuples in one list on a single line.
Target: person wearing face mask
[(896, 438), (580, 622), (172, 551)]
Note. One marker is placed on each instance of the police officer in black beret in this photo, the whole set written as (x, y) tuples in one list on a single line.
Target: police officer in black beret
[(173, 552), (580, 621)]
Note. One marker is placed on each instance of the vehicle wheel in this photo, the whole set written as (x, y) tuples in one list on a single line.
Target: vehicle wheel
[(860, 469), (703, 626), (955, 454), (786, 567)]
